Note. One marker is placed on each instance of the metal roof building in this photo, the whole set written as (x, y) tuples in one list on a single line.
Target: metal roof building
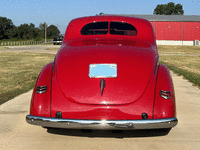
[(173, 18), (173, 29)]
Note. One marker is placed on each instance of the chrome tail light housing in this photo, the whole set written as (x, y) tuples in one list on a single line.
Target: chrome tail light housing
[(41, 89), (165, 94)]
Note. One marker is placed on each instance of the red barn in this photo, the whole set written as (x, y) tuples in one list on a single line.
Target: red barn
[(174, 29)]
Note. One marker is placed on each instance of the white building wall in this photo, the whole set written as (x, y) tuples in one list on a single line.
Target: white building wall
[(166, 42)]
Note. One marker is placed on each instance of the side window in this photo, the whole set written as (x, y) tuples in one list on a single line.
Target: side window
[(95, 28), (121, 28)]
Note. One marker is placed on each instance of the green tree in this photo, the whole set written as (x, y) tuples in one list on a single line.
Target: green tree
[(160, 9), (52, 31), (169, 9), (37, 34), (42, 29), (41, 26), (31, 30), (24, 31), (179, 9), (6, 26)]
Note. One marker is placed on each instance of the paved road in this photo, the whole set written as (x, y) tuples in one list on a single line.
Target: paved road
[(16, 134)]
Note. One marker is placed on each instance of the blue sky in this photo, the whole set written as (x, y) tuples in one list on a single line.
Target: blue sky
[(60, 12)]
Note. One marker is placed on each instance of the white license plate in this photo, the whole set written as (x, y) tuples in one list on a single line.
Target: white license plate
[(103, 70)]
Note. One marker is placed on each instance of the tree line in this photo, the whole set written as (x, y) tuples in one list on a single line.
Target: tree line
[(26, 31), (168, 9)]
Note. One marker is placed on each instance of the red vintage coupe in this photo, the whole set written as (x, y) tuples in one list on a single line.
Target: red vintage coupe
[(106, 75)]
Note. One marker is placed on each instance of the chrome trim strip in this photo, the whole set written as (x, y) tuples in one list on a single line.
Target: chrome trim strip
[(102, 85), (102, 124), (157, 64)]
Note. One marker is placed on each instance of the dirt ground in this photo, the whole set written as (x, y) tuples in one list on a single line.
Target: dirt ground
[(33, 49)]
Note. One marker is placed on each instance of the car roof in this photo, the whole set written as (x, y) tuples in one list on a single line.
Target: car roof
[(144, 27)]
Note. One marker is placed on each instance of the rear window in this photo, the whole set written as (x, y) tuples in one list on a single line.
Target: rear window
[(116, 28), (121, 28), (95, 28)]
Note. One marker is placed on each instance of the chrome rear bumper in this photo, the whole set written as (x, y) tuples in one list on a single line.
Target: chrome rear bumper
[(102, 124)]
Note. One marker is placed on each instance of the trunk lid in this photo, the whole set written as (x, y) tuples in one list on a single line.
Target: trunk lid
[(135, 64)]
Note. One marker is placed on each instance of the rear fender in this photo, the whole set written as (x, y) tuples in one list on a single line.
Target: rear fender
[(40, 103), (164, 108)]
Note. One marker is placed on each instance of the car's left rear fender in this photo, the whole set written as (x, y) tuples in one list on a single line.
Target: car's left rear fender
[(40, 102)]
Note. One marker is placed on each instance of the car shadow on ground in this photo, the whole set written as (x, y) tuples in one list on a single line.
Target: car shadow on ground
[(109, 133)]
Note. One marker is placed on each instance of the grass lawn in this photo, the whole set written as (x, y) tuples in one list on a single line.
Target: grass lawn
[(187, 66), (189, 63), (19, 72), (179, 49)]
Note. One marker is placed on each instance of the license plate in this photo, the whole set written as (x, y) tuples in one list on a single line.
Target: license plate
[(103, 70)]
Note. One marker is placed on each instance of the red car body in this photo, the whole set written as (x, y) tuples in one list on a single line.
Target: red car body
[(140, 95)]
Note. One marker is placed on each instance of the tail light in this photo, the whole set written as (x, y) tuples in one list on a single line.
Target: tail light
[(165, 94), (41, 89)]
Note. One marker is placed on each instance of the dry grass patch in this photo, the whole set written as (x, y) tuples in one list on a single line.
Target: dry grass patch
[(178, 49), (52, 49), (189, 63), (19, 72), (187, 66), (3, 47)]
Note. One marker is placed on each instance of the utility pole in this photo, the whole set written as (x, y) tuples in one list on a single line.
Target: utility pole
[(57, 29), (45, 31)]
